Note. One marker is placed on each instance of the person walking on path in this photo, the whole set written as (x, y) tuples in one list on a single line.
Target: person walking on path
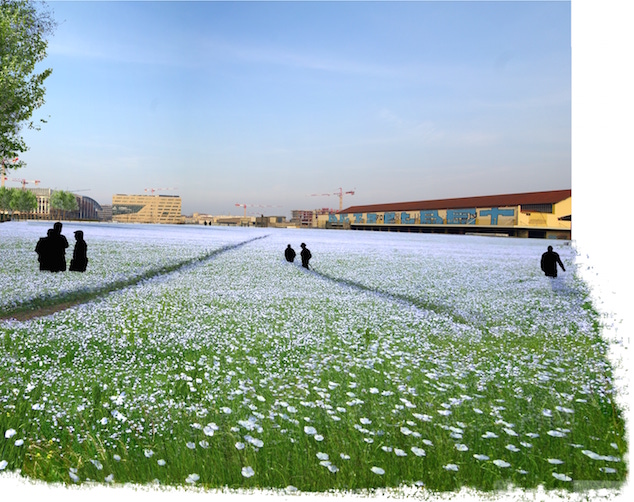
[(80, 259), (58, 249), (43, 250), (306, 256), (549, 262), (290, 254)]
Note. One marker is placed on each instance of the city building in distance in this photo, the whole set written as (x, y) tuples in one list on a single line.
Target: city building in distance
[(531, 214), (146, 209)]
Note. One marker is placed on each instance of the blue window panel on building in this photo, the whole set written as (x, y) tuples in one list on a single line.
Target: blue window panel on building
[(372, 217), (337, 218), (358, 217), (406, 219), (495, 212), (430, 217), (389, 218), (461, 216)]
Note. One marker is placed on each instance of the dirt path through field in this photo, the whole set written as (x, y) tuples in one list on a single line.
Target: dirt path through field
[(42, 307)]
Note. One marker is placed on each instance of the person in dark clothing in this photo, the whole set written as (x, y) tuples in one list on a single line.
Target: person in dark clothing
[(43, 250), (80, 260), (549, 262), (306, 256), (290, 254), (58, 249)]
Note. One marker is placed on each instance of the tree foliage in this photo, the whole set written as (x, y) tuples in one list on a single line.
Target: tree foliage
[(24, 26), (23, 201), (64, 201), (5, 198)]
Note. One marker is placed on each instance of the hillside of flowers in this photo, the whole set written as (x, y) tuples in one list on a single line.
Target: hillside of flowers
[(432, 361)]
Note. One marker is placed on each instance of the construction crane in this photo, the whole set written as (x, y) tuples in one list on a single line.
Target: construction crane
[(152, 190), (340, 193), (25, 182)]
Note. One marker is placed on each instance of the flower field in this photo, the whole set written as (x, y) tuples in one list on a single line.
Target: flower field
[(198, 355)]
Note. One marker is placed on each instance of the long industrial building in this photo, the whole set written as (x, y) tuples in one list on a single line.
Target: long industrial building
[(146, 209), (531, 214)]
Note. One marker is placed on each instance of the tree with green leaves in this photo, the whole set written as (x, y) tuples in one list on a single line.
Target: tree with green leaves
[(5, 202), (24, 28), (64, 201), (23, 201)]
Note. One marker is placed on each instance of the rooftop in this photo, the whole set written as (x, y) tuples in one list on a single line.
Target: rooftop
[(504, 200)]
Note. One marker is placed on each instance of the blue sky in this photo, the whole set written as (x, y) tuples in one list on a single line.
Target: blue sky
[(264, 103)]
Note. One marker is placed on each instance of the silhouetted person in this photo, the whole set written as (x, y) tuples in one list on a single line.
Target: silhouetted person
[(80, 260), (549, 262), (58, 249), (43, 250), (305, 254), (290, 253)]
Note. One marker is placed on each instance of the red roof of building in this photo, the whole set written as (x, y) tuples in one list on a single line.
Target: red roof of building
[(516, 199)]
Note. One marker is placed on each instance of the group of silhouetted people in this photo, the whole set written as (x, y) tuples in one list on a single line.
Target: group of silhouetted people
[(51, 251), (290, 254)]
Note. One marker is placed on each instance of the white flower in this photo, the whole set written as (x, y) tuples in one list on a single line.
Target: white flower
[(318, 437), (322, 456), (561, 477), (192, 478), (479, 456), (547, 413), (386, 449), (109, 478), (419, 452), (512, 447), (501, 463), (489, 435), (247, 472), (19, 442), (74, 477), (399, 453), (97, 464), (148, 453), (190, 445), (510, 432), (225, 410), (240, 446), (333, 468), (607, 470), (377, 470), (344, 456), (556, 434), (450, 467), (555, 461), (564, 410), (203, 443), (3, 465), (117, 457), (161, 462), (10, 433), (365, 421), (461, 447), (209, 429), (310, 430)]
